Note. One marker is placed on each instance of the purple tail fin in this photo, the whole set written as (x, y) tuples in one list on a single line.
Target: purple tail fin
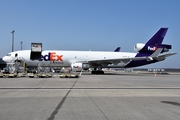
[(154, 43), (158, 37)]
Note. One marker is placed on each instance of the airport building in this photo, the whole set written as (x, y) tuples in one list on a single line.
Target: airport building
[(158, 70)]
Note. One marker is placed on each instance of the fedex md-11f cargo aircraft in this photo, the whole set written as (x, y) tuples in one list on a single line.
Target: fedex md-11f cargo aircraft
[(150, 52)]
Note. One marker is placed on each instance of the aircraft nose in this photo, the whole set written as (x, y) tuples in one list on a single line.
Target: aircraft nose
[(6, 59)]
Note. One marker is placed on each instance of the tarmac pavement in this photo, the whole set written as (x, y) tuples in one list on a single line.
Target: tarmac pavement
[(113, 96)]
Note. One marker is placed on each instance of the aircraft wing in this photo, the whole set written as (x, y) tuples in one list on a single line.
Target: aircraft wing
[(113, 61), (124, 60), (117, 60)]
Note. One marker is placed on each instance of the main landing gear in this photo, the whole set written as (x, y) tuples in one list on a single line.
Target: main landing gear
[(99, 71)]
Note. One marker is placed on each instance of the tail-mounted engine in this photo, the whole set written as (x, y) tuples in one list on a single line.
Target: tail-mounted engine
[(79, 66), (140, 47)]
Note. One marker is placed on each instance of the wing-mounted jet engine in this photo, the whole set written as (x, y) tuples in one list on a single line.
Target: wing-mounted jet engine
[(79, 66)]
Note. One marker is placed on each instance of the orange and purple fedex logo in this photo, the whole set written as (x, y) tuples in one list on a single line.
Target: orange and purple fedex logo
[(52, 56), (152, 48)]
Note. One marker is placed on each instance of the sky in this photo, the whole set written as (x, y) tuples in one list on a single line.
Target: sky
[(96, 25)]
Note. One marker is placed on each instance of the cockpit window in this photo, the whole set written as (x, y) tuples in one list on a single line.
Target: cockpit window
[(8, 54)]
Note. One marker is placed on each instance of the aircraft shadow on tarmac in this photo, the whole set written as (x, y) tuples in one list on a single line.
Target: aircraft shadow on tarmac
[(170, 102)]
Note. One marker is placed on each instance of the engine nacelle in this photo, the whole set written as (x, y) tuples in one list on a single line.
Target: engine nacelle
[(138, 46), (79, 66)]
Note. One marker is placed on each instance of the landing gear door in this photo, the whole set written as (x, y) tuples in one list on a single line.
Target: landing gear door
[(36, 50)]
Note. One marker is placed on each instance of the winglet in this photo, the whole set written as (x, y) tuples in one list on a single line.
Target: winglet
[(117, 49), (155, 54)]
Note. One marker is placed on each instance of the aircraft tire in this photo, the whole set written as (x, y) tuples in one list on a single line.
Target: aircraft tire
[(93, 72), (97, 72)]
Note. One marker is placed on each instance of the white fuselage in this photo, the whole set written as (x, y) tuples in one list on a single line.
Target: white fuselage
[(66, 58)]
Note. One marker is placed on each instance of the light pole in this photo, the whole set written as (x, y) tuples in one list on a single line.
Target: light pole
[(21, 44), (13, 40)]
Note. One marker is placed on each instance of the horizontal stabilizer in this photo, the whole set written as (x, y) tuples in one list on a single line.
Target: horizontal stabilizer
[(167, 55), (156, 53)]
